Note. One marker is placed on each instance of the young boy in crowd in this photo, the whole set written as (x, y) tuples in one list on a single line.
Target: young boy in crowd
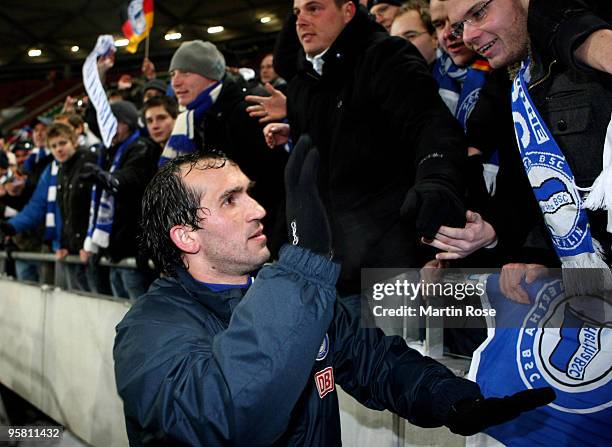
[(60, 201)]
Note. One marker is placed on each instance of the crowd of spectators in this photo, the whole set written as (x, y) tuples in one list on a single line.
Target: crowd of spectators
[(55, 173), (382, 126), (441, 133)]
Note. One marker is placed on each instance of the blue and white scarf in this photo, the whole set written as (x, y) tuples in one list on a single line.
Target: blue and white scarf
[(50, 215), (181, 140), (102, 205), (460, 88), (555, 190), (107, 122)]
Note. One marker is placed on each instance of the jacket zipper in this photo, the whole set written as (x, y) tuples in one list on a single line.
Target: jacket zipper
[(545, 77)]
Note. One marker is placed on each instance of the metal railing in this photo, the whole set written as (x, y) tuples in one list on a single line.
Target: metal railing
[(70, 259), (433, 343)]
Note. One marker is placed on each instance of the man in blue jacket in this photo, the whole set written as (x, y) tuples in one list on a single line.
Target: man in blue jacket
[(210, 356)]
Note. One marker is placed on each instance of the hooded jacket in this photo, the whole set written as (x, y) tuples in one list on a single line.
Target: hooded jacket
[(197, 367)]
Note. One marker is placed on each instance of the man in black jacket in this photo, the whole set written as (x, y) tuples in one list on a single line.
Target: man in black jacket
[(121, 177), (388, 143)]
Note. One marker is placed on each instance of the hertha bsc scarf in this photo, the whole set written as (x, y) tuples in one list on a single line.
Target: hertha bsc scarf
[(559, 198)]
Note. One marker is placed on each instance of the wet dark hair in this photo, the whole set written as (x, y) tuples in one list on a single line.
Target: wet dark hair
[(168, 202)]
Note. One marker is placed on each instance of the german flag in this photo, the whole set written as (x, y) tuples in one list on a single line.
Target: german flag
[(481, 64), (137, 21)]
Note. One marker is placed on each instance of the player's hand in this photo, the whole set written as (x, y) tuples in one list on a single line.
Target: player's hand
[(307, 221), (84, 256)]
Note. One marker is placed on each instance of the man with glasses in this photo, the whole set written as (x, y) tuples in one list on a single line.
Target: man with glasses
[(384, 11), (557, 108), (461, 74), (556, 197), (500, 49)]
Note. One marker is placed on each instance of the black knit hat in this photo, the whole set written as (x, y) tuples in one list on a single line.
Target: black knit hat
[(156, 84), (125, 112), (372, 3)]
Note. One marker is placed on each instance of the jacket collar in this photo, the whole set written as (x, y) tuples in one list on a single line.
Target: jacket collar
[(221, 303), (68, 164), (228, 97)]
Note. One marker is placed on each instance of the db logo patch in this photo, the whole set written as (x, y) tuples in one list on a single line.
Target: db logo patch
[(325, 381)]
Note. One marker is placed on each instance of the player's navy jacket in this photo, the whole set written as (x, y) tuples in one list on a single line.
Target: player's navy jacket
[(198, 367)]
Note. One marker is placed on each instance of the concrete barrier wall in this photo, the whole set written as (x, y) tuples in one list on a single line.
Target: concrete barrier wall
[(56, 352)]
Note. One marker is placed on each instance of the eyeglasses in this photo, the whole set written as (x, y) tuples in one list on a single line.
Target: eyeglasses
[(475, 18)]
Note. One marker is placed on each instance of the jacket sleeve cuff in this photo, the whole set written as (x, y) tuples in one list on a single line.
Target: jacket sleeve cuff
[(309, 264)]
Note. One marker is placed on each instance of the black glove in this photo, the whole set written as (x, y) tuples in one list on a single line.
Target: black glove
[(471, 416), (91, 172), (430, 204), (306, 217)]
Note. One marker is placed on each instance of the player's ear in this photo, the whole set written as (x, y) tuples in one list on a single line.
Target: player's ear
[(184, 238)]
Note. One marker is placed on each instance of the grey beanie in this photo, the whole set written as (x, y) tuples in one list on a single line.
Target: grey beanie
[(199, 57), (126, 112)]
